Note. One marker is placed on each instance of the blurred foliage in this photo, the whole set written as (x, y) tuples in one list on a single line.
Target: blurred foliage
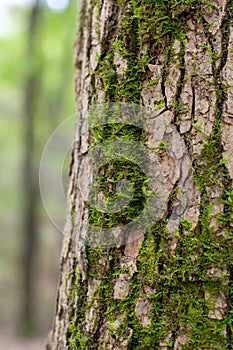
[(54, 66)]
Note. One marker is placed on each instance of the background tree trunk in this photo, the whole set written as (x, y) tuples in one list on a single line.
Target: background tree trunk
[(167, 289), (30, 181)]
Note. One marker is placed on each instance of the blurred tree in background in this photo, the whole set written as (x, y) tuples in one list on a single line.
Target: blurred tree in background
[(36, 63)]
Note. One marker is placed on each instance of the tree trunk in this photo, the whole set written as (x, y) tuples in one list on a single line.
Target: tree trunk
[(168, 286), (31, 189)]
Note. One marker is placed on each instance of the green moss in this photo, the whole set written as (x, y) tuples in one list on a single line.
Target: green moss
[(112, 130), (115, 170), (112, 173), (77, 338)]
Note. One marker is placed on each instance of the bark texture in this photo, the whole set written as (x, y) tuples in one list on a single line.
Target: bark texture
[(169, 289)]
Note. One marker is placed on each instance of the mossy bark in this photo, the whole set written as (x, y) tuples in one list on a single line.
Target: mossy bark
[(165, 290)]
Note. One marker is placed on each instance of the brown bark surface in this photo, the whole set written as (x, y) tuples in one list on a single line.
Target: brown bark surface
[(169, 288)]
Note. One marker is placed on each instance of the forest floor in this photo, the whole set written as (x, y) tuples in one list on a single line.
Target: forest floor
[(10, 341)]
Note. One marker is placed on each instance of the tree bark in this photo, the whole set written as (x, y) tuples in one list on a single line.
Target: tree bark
[(171, 288)]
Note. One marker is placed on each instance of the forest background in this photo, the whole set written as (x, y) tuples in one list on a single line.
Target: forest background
[(36, 77)]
